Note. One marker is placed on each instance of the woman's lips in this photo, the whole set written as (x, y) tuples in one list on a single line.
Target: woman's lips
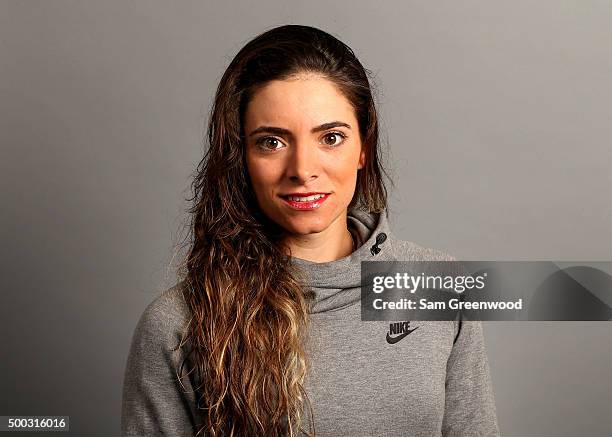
[(307, 204)]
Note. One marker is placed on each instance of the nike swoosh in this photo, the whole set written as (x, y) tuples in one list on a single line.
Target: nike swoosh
[(393, 340)]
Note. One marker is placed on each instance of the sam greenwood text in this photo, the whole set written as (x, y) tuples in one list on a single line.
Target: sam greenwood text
[(453, 304)]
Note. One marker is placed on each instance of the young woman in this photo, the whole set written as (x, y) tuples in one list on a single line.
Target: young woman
[(262, 335)]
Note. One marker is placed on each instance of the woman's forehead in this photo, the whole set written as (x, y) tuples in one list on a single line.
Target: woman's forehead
[(296, 104)]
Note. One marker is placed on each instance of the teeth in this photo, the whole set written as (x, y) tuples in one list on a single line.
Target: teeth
[(306, 199)]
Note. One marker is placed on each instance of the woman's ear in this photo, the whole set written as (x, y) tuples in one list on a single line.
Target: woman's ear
[(361, 159)]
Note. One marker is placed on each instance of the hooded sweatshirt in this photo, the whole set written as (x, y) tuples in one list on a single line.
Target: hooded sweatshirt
[(433, 382)]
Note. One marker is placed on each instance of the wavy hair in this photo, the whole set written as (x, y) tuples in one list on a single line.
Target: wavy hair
[(245, 341)]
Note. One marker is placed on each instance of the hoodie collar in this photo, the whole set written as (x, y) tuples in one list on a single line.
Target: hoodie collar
[(337, 284)]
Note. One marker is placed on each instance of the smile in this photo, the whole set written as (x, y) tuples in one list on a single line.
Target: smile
[(305, 201)]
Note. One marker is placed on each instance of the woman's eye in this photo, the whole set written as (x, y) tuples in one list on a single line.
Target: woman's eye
[(331, 139), (269, 143)]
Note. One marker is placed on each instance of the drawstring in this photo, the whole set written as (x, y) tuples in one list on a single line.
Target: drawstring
[(380, 238)]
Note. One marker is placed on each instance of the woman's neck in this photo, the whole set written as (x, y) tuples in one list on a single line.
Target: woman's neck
[(331, 244)]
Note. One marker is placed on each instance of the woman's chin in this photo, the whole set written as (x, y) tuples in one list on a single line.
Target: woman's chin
[(305, 225)]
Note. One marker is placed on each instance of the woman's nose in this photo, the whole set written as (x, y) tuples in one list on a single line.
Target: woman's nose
[(303, 163)]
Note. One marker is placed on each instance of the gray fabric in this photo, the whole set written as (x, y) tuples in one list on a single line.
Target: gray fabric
[(434, 382)]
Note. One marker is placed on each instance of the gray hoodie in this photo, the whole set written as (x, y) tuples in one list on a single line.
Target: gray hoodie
[(433, 382)]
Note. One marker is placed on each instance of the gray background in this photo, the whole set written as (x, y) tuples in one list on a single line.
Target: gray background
[(497, 121)]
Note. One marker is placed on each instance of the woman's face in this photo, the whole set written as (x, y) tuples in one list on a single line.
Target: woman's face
[(302, 140)]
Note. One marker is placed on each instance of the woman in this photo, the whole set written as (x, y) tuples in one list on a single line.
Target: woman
[(262, 335)]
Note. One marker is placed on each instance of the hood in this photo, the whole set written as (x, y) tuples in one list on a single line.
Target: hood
[(337, 284)]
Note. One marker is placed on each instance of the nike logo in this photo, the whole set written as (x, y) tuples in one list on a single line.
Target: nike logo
[(401, 329)]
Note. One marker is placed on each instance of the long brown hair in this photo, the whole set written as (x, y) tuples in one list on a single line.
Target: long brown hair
[(244, 342)]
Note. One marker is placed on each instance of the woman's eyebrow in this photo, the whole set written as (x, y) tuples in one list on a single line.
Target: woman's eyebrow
[(283, 131)]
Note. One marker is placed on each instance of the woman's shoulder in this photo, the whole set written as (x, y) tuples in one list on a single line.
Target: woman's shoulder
[(165, 317)]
